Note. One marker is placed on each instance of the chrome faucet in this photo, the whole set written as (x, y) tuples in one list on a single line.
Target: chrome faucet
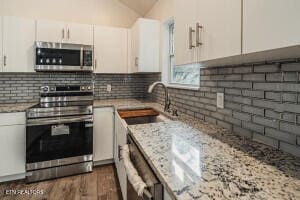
[(167, 97)]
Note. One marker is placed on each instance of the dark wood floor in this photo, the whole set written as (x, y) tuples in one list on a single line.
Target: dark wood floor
[(101, 184)]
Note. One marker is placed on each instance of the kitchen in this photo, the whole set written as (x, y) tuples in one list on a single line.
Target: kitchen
[(149, 99)]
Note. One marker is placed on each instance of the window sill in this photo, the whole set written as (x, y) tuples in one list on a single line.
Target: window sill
[(186, 87)]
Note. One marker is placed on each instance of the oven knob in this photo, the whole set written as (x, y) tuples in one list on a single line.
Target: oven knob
[(60, 61), (82, 88), (53, 60), (89, 87), (52, 88), (47, 60), (45, 89), (39, 52), (41, 60)]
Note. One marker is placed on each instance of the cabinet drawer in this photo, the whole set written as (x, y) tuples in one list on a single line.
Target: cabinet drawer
[(7, 119)]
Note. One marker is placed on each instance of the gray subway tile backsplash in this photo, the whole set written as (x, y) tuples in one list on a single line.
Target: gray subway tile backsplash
[(262, 102), (25, 87)]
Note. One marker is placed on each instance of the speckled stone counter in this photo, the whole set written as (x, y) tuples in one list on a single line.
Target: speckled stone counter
[(197, 160), (17, 107)]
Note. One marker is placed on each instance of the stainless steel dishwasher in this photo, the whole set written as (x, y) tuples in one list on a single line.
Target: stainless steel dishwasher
[(154, 190)]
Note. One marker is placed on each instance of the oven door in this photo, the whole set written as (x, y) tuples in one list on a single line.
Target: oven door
[(52, 139)]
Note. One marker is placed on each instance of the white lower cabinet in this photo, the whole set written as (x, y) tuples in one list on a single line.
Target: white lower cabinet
[(120, 140), (103, 134), (12, 146)]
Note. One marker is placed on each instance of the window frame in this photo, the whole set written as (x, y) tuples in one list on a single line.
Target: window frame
[(171, 83)]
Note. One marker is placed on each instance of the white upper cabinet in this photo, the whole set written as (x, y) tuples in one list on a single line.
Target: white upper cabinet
[(111, 49), (184, 32), (79, 34), (18, 44), (270, 24), (219, 29), (51, 31), (145, 37), (206, 30), (63, 32)]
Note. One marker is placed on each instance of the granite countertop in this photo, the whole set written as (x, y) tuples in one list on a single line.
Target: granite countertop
[(197, 160), (15, 107)]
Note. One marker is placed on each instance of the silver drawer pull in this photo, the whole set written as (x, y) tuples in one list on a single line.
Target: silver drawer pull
[(198, 37), (191, 31)]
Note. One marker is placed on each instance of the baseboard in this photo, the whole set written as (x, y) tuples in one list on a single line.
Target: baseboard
[(12, 177), (103, 162)]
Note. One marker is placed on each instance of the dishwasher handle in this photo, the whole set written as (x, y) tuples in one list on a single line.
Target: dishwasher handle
[(147, 195), (133, 176)]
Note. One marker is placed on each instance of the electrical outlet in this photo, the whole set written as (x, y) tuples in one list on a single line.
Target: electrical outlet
[(108, 88), (220, 100)]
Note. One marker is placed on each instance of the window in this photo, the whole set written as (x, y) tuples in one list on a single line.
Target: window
[(185, 75)]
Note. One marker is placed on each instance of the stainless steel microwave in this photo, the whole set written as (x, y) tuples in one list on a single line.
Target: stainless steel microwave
[(63, 57)]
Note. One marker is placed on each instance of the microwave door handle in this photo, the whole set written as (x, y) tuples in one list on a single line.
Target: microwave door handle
[(81, 58)]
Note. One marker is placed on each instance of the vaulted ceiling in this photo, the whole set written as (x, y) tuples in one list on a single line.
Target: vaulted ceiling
[(140, 6)]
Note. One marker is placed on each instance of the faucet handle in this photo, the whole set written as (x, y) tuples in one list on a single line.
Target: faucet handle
[(174, 112)]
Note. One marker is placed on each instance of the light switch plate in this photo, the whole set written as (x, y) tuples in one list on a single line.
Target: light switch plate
[(108, 88), (220, 100)]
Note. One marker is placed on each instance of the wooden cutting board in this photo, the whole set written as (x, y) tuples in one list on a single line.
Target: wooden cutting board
[(137, 113)]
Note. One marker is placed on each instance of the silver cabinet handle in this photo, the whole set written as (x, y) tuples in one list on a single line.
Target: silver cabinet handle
[(119, 152), (136, 62), (4, 61), (68, 34), (63, 33), (81, 58), (191, 31), (198, 37)]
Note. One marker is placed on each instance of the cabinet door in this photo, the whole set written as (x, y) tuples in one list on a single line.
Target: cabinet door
[(270, 24), (103, 134), (121, 139), (134, 38), (1, 54), (18, 44), (111, 46), (221, 32), (185, 18), (148, 45), (51, 31), (79, 34), (12, 150)]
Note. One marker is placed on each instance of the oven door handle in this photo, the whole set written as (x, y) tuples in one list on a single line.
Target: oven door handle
[(49, 121)]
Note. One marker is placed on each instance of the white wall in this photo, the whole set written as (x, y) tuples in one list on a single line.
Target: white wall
[(163, 10), (100, 12)]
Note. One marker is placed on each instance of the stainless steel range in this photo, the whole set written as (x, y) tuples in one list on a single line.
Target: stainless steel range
[(59, 133)]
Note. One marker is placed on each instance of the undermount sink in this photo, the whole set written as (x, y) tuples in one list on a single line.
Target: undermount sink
[(142, 116)]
